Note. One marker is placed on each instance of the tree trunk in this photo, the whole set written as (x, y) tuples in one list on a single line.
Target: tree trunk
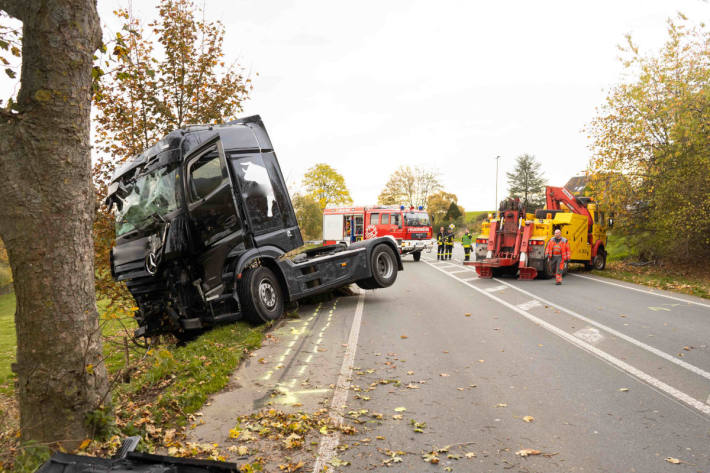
[(46, 214)]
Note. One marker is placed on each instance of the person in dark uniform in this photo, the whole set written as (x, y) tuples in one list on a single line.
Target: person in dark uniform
[(449, 242), (440, 241)]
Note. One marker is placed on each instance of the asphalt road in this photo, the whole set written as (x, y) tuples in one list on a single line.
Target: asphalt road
[(595, 375)]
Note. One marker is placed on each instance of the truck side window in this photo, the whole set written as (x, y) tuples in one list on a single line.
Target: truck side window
[(385, 219), (374, 219), (205, 175), (258, 194), (395, 219)]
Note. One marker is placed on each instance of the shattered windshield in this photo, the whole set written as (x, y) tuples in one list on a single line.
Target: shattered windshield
[(152, 193), (416, 219)]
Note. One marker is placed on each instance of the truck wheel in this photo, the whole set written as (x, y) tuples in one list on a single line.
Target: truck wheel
[(260, 295), (384, 266), (417, 255), (548, 270), (599, 261), (366, 284)]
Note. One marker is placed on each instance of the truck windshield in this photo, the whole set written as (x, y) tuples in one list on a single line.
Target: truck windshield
[(150, 194), (416, 219)]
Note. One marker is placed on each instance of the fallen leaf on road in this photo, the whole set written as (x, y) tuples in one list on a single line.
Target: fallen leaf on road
[(244, 450), (467, 314), (454, 456), (459, 389), (84, 444), (336, 462), (403, 336), (528, 418), (397, 416), (262, 360), (291, 467), (469, 455), (481, 361), (380, 437), (472, 385), (623, 390), (687, 348), (527, 451), (412, 386), (400, 409), (675, 461), (501, 404), (444, 374), (410, 372)]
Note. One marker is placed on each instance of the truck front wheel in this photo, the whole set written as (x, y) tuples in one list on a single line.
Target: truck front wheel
[(384, 268), (599, 261), (260, 295)]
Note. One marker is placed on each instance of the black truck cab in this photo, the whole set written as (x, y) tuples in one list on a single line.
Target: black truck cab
[(206, 232)]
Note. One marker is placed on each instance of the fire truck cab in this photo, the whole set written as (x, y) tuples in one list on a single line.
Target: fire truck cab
[(410, 227)]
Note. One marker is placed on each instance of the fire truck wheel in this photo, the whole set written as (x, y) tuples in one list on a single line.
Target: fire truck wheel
[(260, 295), (366, 284), (417, 255), (384, 266)]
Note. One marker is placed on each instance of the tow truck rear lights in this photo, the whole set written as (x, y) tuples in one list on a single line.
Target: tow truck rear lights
[(481, 240), (537, 242)]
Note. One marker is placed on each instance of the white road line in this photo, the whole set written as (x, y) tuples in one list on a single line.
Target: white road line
[(494, 288), (530, 304), (642, 290), (616, 333), (612, 360), (328, 443)]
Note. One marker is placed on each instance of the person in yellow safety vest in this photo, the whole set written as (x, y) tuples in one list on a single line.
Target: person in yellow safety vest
[(466, 241), (558, 251), (450, 241), (440, 241)]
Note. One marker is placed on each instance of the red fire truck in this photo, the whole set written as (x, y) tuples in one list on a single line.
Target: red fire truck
[(409, 226)]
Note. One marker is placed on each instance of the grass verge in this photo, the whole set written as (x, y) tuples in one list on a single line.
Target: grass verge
[(692, 281), (155, 392)]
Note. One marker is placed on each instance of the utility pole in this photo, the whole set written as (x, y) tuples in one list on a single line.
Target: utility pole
[(496, 207)]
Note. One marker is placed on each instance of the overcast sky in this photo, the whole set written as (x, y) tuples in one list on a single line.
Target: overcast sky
[(370, 85)]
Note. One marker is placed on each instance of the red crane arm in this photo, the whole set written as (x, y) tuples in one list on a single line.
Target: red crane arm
[(555, 195)]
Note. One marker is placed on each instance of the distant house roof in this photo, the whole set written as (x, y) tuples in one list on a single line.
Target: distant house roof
[(577, 184)]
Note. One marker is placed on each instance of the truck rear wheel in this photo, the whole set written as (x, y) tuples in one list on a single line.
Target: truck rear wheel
[(417, 255), (384, 268), (260, 295)]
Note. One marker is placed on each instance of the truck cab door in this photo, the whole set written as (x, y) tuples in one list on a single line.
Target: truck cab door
[(214, 218)]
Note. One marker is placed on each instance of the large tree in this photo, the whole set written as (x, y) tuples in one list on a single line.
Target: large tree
[(651, 145), (410, 187), (309, 216), (326, 186), (527, 182), (439, 208), (46, 214)]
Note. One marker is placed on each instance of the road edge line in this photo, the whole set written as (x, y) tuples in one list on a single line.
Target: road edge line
[(612, 360), (660, 353), (329, 443), (667, 296)]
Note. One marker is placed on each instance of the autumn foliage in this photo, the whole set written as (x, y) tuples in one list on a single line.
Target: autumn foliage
[(651, 144), (149, 81)]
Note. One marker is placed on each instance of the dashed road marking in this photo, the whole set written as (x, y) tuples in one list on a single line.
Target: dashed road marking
[(612, 360), (530, 304), (494, 288), (589, 335), (328, 443), (616, 333)]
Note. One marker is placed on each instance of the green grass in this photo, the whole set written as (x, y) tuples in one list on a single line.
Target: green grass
[(7, 340), (475, 213), (618, 248)]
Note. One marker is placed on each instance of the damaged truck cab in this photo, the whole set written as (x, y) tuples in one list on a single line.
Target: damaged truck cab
[(206, 233)]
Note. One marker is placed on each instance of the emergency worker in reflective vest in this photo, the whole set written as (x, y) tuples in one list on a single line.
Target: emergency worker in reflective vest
[(440, 241), (466, 241), (558, 251), (450, 241)]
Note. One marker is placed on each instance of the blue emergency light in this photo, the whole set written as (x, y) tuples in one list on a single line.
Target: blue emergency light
[(421, 207), (401, 207)]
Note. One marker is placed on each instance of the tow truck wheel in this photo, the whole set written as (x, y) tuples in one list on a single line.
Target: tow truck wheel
[(417, 255), (599, 261), (260, 295)]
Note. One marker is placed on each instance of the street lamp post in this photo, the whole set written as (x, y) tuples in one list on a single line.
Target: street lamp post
[(496, 207)]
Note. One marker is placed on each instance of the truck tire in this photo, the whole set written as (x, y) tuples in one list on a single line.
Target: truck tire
[(548, 271), (366, 284), (384, 266), (417, 255), (260, 295), (599, 261)]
